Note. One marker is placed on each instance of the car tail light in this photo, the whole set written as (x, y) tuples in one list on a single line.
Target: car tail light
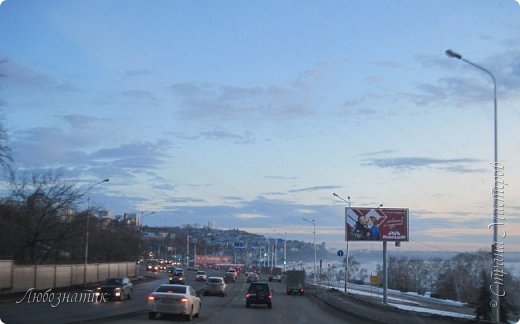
[(184, 300), (248, 295), (270, 296)]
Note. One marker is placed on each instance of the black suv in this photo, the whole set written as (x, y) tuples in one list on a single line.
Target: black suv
[(259, 293)]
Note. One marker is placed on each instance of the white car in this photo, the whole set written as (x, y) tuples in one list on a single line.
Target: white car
[(215, 286), (174, 299), (200, 276)]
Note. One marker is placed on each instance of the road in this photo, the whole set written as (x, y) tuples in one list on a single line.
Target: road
[(229, 309)]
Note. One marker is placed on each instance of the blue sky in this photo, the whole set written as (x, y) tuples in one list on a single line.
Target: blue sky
[(252, 113)]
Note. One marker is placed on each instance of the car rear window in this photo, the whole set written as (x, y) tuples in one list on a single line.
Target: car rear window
[(215, 280), (113, 281), (172, 289), (255, 288)]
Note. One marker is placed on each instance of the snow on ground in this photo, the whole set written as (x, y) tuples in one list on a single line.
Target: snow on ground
[(405, 303), (431, 311)]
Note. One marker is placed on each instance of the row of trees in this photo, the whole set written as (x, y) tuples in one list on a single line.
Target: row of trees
[(42, 221)]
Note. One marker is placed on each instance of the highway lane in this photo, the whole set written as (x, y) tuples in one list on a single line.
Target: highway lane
[(231, 309), (215, 309)]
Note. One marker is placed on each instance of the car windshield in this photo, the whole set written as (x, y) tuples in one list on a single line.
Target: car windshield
[(201, 273), (214, 280), (112, 281), (171, 289)]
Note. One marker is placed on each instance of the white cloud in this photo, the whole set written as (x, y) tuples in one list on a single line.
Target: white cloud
[(249, 216)]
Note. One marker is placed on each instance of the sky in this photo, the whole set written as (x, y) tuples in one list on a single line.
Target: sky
[(251, 114)]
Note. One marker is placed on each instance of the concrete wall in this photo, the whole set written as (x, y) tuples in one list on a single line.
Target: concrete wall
[(20, 278), (6, 274)]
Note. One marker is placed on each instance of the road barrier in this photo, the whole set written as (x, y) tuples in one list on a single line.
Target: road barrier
[(19, 278)]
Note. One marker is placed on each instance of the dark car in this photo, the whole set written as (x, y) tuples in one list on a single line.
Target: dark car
[(117, 288), (259, 293), (177, 278)]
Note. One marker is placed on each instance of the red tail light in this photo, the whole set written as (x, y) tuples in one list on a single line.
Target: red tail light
[(248, 295), (270, 296)]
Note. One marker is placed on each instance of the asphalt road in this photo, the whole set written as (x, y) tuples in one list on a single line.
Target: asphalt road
[(229, 309)]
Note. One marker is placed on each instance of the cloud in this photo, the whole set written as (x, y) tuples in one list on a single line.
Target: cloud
[(184, 200), (140, 96), (31, 80), (215, 101), (135, 155), (468, 84), (132, 73), (249, 216), (246, 138), (411, 163), (80, 121), (315, 188), (272, 177)]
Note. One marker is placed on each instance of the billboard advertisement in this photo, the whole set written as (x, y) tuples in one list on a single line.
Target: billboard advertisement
[(376, 224)]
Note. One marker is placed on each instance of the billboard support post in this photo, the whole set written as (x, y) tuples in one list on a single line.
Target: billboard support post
[(385, 273)]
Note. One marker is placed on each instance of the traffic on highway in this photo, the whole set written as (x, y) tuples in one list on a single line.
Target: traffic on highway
[(153, 298)]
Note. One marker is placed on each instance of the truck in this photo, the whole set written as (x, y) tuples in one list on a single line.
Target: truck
[(295, 282), (276, 274)]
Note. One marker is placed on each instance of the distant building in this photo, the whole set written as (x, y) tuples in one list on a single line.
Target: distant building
[(130, 218), (212, 225), (105, 214)]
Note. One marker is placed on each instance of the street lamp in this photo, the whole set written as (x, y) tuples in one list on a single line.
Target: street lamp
[(346, 263), (313, 222), (143, 215), (495, 297), (87, 229), (284, 249)]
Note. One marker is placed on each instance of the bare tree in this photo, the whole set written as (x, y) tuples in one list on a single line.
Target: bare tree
[(41, 209), (5, 151)]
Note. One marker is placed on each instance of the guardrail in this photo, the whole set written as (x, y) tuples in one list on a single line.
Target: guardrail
[(19, 278)]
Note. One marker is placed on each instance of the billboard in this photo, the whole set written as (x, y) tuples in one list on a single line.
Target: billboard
[(376, 224)]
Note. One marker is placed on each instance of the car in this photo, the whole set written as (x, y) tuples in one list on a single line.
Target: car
[(252, 277), (179, 271), (215, 286), (115, 288), (259, 293), (153, 266), (176, 278), (200, 276), (231, 276), (174, 299)]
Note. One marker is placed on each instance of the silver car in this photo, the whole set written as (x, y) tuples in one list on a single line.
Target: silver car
[(215, 286), (174, 299)]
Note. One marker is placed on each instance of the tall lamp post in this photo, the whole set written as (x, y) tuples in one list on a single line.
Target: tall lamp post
[(87, 229), (313, 222), (284, 249), (143, 215), (346, 263), (495, 293)]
